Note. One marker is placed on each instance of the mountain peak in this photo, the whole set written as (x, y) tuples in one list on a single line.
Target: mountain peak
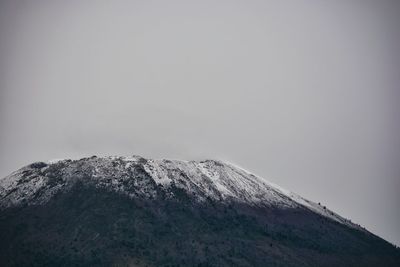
[(136, 176), (135, 211)]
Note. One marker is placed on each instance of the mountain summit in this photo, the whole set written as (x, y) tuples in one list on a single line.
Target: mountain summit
[(132, 211)]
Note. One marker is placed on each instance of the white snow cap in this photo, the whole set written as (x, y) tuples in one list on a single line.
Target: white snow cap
[(207, 179)]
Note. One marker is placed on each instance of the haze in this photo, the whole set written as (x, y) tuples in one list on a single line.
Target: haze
[(302, 93)]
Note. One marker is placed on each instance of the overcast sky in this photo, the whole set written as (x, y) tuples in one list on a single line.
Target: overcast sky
[(303, 93)]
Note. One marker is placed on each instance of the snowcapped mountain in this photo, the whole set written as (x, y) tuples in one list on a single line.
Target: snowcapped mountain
[(280, 224), (209, 179)]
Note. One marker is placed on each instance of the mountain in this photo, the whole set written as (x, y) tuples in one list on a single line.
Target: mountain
[(132, 211)]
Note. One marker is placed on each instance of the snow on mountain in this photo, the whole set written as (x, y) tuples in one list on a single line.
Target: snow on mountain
[(139, 177)]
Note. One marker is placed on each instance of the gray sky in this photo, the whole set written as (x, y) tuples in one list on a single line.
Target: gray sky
[(303, 93)]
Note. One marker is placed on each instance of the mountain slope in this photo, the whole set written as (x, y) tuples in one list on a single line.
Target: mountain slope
[(131, 211)]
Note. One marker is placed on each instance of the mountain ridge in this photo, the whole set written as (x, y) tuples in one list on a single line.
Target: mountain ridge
[(158, 170)]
